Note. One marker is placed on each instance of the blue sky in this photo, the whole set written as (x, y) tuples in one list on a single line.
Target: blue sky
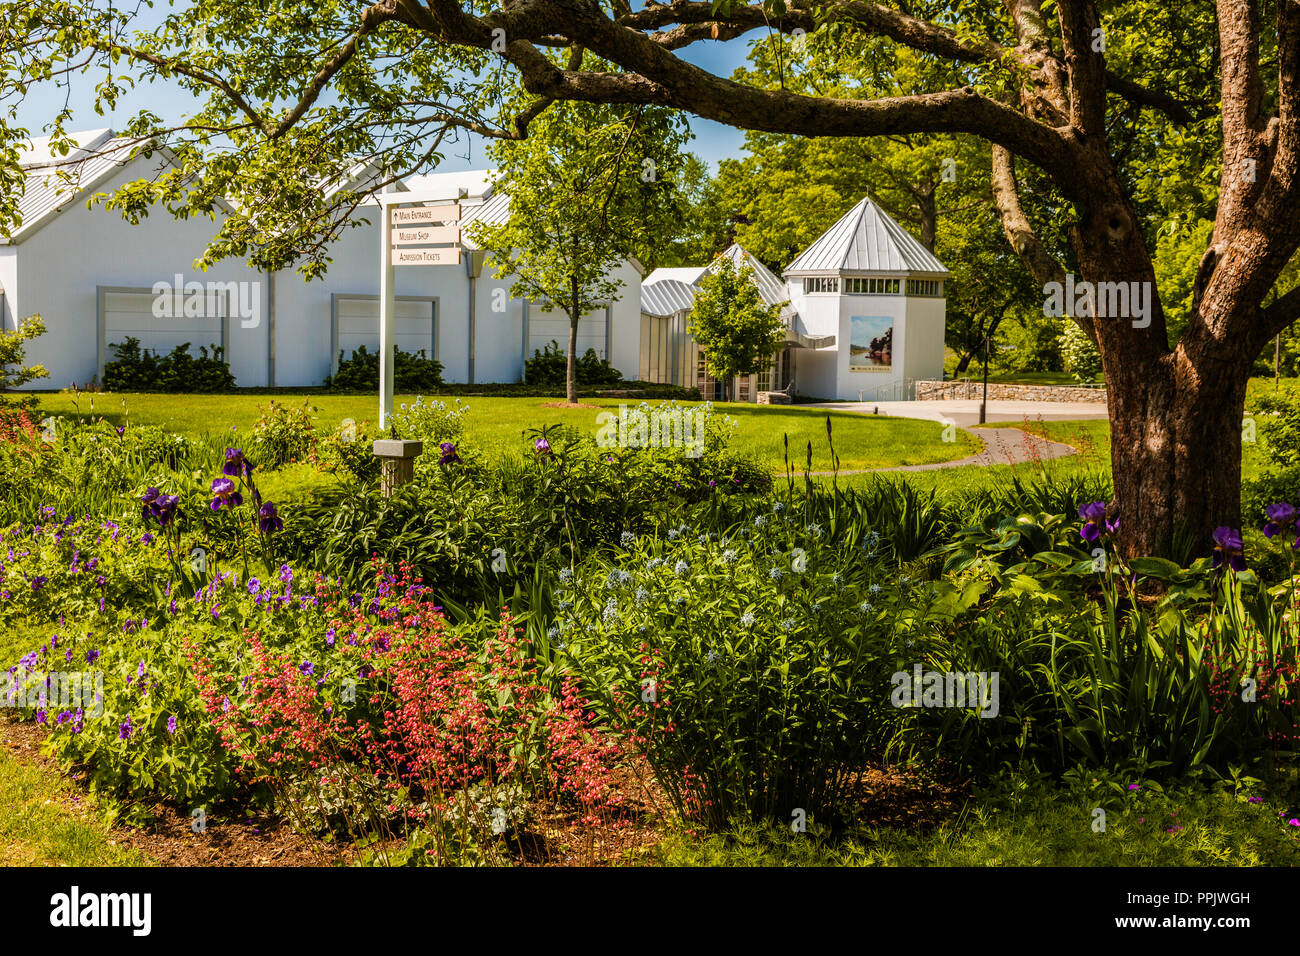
[(712, 141)]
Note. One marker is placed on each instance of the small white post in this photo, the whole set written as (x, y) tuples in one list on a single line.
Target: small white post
[(387, 320)]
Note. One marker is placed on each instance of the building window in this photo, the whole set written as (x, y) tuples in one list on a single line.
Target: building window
[(821, 285), (930, 287), (872, 286)]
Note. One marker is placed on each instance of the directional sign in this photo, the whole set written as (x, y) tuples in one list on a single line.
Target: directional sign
[(415, 215), (425, 235), (446, 256)]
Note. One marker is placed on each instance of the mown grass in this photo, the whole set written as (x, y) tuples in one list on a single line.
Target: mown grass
[(1091, 437), (49, 821), (495, 426), (1045, 827)]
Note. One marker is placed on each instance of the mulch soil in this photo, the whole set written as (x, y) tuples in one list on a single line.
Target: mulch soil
[(553, 837)]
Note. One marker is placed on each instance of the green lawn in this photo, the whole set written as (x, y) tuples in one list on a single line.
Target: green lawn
[(495, 425), (49, 821), (1091, 437), (1046, 827)]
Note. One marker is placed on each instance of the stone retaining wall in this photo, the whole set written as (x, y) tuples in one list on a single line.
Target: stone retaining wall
[(1003, 391)]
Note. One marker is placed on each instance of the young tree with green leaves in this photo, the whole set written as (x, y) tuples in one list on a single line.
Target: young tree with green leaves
[(737, 331), (589, 187), (13, 354)]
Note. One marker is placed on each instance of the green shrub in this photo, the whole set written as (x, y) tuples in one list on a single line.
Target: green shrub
[(282, 435), (751, 669), (550, 367), (412, 372), (349, 450), (1078, 353), (137, 370)]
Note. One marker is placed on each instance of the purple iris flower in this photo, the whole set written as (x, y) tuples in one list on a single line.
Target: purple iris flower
[(449, 456), (542, 446), (1228, 547), (162, 508), (268, 520), (224, 493), (236, 464), (167, 509), (1278, 515), (1095, 521)]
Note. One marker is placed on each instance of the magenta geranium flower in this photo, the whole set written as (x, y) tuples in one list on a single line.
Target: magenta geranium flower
[(224, 493), (1228, 547)]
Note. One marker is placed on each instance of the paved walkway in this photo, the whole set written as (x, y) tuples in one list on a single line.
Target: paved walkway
[(964, 412), (1002, 446)]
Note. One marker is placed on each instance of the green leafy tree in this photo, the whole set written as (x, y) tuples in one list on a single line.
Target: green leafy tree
[(589, 187), (13, 354), (738, 332)]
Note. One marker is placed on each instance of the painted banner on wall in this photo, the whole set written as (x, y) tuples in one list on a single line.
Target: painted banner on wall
[(871, 343)]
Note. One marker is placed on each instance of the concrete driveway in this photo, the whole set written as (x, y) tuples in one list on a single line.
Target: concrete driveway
[(966, 413)]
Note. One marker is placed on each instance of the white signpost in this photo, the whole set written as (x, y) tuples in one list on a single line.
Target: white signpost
[(417, 229)]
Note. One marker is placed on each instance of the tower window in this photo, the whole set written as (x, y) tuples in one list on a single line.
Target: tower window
[(872, 286), (821, 285)]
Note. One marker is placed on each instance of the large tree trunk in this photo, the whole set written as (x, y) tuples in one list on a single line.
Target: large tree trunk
[(1175, 449)]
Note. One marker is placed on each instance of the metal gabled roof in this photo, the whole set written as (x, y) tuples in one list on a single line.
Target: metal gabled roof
[(51, 183), (667, 297), (669, 290), (689, 274), (491, 212), (866, 239), (771, 289)]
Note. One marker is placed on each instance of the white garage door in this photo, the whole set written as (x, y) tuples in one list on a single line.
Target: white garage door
[(356, 323), (131, 312), (543, 327)]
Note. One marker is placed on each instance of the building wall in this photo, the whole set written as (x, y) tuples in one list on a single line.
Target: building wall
[(9, 306), (925, 338), (303, 352), (61, 265), (873, 385)]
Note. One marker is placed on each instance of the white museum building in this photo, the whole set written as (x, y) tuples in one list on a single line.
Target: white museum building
[(863, 308), (863, 305), (92, 276)]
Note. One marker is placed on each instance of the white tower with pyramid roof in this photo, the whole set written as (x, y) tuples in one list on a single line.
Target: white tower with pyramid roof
[(871, 298)]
